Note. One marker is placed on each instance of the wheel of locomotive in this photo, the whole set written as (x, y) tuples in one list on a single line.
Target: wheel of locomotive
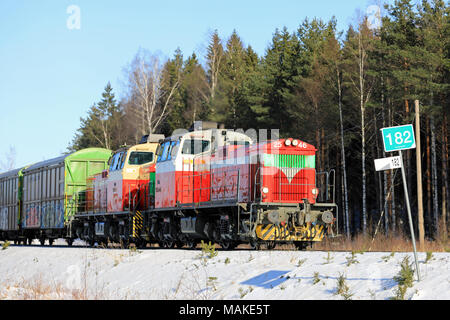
[(160, 238), (254, 245), (50, 242), (91, 242), (300, 245), (42, 241), (124, 243), (270, 245), (192, 244), (228, 245), (179, 244), (103, 243), (168, 244), (141, 244)]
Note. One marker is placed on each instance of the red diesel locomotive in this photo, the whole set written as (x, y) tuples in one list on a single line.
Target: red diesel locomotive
[(217, 185)]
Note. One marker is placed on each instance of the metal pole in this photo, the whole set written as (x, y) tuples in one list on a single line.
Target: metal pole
[(409, 215)]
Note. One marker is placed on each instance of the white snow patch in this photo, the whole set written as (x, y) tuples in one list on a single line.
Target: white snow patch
[(36, 272)]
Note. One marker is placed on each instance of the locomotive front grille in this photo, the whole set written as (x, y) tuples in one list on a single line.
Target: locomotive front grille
[(290, 177)]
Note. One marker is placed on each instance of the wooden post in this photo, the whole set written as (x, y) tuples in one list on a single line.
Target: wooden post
[(419, 179)]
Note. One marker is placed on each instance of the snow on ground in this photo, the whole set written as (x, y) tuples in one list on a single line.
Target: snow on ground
[(75, 273)]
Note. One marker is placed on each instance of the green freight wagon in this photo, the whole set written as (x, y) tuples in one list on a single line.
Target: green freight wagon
[(10, 203), (50, 189)]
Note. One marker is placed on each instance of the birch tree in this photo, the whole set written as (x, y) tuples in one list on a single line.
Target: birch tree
[(9, 161), (333, 58), (150, 101), (357, 49), (214, 59)]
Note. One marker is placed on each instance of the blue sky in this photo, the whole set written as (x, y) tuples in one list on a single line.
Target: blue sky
[(51, 75)]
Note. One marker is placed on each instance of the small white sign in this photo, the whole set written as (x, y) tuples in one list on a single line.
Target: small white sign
[(388, 163)]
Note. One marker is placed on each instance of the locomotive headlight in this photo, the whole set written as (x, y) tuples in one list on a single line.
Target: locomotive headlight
[(265, 190), (315, 191), (288, 142), (295, 143)]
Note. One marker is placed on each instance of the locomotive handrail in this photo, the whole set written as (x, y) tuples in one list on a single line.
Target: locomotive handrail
[(224, 187), (256, 184), (141, 193), (329, 188)]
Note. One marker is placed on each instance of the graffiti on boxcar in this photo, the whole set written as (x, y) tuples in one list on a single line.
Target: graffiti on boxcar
[(4, 218), (52, 215), (32, 216)]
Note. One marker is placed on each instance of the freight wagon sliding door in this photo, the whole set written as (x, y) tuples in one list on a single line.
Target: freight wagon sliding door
[(32, 199), (43, 196), (52, 207), (9, 210)]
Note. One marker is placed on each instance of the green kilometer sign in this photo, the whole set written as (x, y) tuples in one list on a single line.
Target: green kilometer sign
[(399, 138)]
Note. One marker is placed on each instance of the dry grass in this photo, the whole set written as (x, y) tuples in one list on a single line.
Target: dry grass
[(380, 244), (84, 286), (37, 288), (360, 243)]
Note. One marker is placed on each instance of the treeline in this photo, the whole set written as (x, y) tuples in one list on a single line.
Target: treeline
[(332, 89)]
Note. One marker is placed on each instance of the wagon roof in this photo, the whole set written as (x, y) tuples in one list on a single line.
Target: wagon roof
[(88, 153), (46, 163), (10, 173)]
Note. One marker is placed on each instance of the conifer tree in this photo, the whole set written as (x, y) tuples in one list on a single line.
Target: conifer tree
[(279, 76), (102, 126)]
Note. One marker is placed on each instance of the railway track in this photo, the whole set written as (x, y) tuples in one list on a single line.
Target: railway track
[(241, 247)]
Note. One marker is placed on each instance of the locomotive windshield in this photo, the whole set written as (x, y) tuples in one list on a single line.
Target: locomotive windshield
[(193, 146), (117, 161), (140, 158)]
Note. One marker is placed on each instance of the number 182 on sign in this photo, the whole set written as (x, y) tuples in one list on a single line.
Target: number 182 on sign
[(399, 138)]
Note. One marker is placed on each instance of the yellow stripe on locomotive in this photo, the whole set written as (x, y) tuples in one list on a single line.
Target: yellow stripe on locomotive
[(274, 232)]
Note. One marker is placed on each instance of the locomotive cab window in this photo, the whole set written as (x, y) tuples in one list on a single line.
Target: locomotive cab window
[(117, 161), (174, 149), (163, 151), (122, 160), (114, 161), (193, 146), (140, 158)]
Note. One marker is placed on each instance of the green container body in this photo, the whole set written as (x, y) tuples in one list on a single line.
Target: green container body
[(52, 189), (78, 167)]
